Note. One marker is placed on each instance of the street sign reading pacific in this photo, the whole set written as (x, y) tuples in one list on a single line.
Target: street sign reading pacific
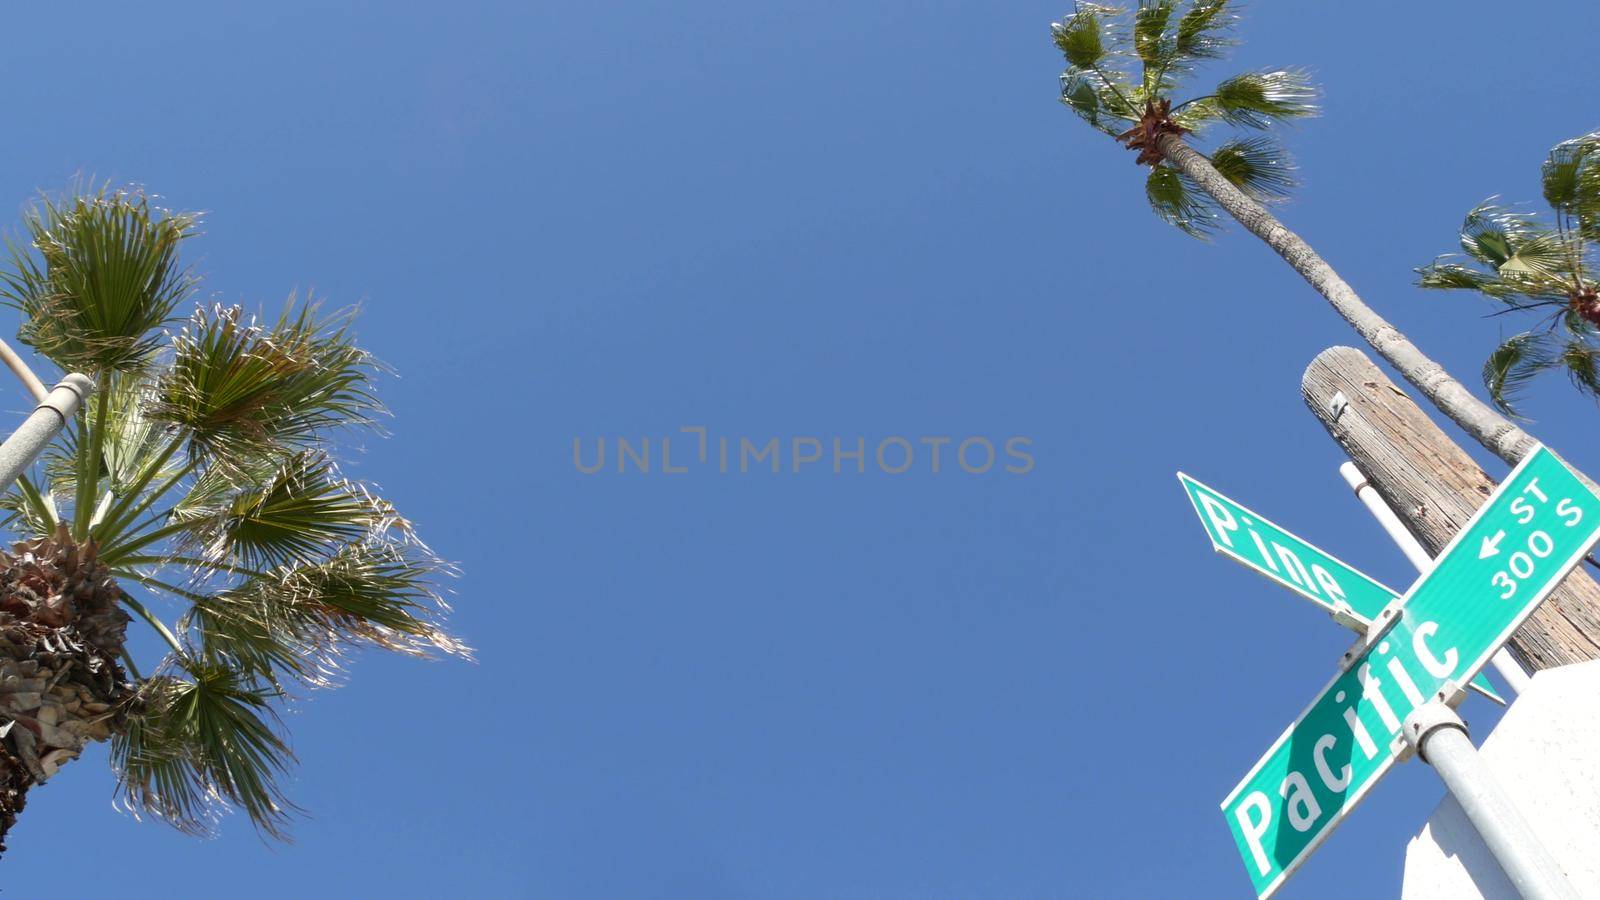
[(1535, 527), (1250, 539)]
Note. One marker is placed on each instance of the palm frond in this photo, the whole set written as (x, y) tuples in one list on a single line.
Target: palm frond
[(380, 593), (1512, 365), (1151, 41), (244, 629), (1257, 166), (204, 739), (1560, 175), (1259, 99), (298, 515), (1581, 361), (27, 509), (1577, 325), (298, 622), (1194, 115), (1571, 182), (1539, 256), (1201, 29), (1570, 179), (1180, 202), (155, 774), (1083, 36), (133, 443), (1490, 232), (241, 388), (96, 276), (1584, 204), (1086, 94), (215, 487), (1448, 276), (1120, 100), (1525, 257)]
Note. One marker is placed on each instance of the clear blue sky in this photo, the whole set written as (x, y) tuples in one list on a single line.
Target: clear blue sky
[(779, 219)]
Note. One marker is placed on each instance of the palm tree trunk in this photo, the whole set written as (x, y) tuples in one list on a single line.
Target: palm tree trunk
[(1487, 427), (61, 631), (15, 779), (1495, 432)]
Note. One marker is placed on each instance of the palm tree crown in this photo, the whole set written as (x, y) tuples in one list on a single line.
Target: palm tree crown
[(197, 489), (1542, 267), (1122, 69)]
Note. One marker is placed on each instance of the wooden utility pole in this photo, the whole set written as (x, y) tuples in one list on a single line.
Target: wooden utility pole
[(1435, 488)]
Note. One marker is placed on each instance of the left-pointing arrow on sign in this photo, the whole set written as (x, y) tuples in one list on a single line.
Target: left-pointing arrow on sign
[(1491, 545)]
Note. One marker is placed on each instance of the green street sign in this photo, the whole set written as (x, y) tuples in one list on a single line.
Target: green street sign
[(1258, 544), (1519, 545)]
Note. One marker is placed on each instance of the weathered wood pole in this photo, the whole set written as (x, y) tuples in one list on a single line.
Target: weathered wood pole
[(1435, 488)]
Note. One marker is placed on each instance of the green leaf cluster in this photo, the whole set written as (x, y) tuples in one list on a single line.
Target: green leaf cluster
[(1539, 267), (205, 471), (1124, 64)]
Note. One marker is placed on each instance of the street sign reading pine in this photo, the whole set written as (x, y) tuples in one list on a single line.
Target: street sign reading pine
[(1535, 527), (1260, 545), (1254, 542)]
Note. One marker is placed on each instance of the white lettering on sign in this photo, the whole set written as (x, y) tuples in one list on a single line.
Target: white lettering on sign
[(1293, 565), (1330, 585), (1277, 558), (1300, 802), (1568, 508), (1371, 691), (1518, 546), (1221, 519), (1302, 809), (1253, 830), (1358, 729), (1519, 565), (1319, 752), (1403, 678), (1438, 668)]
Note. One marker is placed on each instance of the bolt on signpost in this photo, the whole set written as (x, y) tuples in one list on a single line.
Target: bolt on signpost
[(1351, 597), (1519, 545)]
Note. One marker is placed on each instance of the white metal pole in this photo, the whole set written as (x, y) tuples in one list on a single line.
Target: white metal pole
[(23, 446), (1440, 738), (1516, 677), (24, 374)]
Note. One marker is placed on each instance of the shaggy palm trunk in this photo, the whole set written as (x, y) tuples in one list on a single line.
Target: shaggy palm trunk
[(61, 632), (1477, 418)]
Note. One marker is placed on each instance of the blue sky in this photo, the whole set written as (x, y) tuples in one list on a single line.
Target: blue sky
[(796, 219)]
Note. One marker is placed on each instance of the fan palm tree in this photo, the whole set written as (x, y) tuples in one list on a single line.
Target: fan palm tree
[(1543, 268), (197, 493), (1124, 68)]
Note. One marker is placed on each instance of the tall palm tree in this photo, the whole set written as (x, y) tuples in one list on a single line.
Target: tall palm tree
[(1546, 269), (1123, 69), (197, 493)]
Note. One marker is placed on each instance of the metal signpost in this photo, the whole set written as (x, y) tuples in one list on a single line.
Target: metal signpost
[(1519, 545), (1349, 596)]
